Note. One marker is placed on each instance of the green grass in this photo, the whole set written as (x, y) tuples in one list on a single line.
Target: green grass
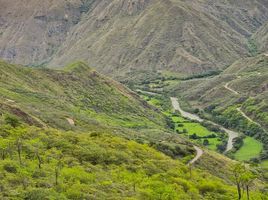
[(78, 92), (250, 149), (198, 129), (177, 119), (213, 142), (264, 164), (195, 128), (94, 165), (154, 102)]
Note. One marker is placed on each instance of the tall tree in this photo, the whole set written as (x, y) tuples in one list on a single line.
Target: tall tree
[(238, 171)]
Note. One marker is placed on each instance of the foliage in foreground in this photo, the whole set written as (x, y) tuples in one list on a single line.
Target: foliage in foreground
[(49, 164)]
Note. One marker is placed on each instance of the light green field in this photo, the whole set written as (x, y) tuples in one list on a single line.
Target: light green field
[(250, 149), (154, 102), (213, 142), (197, 129), (177, 119)]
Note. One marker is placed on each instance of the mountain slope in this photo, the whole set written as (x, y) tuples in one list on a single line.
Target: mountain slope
[(126, 38), (166, 35), (75, 89), (57, 165), (261, 38), (80, 99), (35, 29)]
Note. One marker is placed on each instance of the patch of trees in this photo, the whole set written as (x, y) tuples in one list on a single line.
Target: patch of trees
[(195, 136), (170, 123), (204, 75), (212, 127), (222, 146), (175, 151), (238, 143)]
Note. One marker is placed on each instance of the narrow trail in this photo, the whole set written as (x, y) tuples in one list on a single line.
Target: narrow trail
[(226, 86), (199, 153), (231, 134), (239, 109), (247, 117)]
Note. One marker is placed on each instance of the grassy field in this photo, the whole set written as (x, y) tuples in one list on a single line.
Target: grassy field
[(250, 149), (199, 130), (195, 128)]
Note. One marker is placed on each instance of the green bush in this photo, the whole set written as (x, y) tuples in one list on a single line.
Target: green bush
[(10, 167)]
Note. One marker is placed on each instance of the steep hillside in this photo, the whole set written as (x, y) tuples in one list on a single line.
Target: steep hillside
[(56, 165), (79, 98), (53, 96), (127, 37), (261, 38), (32, 31)]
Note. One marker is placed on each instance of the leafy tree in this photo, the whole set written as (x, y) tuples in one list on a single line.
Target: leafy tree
[(12, 121), (205, 142), (247, 179), (4, 144), (238, 171)]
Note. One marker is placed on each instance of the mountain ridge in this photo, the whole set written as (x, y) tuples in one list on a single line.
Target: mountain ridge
[(120, 38)]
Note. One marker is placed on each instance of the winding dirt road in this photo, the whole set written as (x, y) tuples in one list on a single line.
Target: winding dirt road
[(231, 134), (176, 106)]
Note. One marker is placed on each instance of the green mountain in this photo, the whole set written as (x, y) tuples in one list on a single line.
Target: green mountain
[(78, 98), (75, 134), (76, 92)]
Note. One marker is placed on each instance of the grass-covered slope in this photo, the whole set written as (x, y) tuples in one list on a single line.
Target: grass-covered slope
[(76, 92), (80, 99), (50, 164)]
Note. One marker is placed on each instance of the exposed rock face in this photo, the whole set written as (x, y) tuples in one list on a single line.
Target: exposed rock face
[(31, 31), (125, 37)]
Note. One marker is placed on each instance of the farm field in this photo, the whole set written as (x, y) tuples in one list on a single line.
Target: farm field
[(243, 154)]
